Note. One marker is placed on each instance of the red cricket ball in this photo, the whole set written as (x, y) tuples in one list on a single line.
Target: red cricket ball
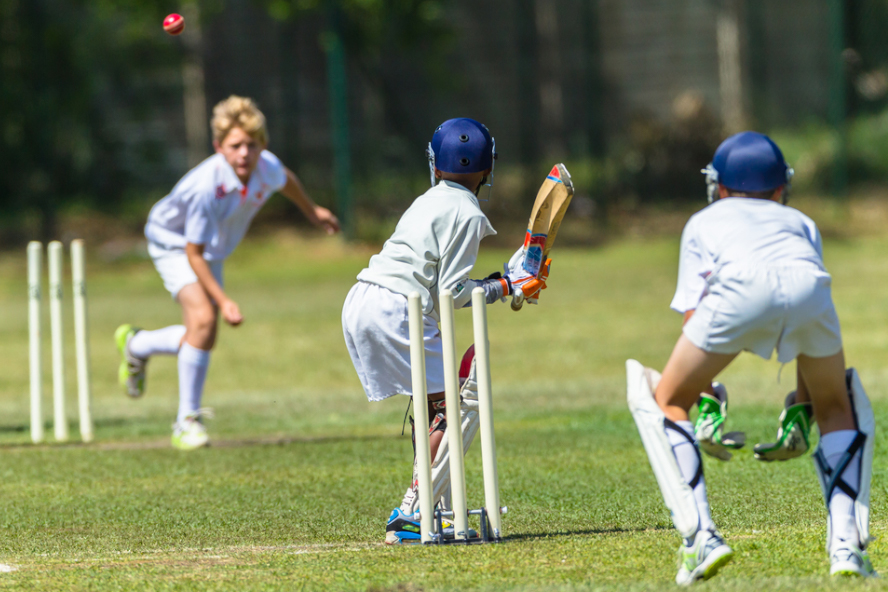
[(174, 24)]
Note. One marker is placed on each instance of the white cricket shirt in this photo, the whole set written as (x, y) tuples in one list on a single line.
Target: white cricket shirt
[(433, 247), (745, 231), (210, 206)]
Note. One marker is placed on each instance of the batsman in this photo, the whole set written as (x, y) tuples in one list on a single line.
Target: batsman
[(434, 247), (751, 277)]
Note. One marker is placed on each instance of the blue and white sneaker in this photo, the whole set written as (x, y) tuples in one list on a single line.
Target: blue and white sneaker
[(405, 529), (402, 528)]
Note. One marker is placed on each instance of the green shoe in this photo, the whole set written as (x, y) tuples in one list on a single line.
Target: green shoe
[(793, 434), (190, 433), (131, 373), (712, 411)]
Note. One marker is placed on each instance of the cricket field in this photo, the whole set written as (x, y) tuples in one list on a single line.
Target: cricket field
[(303, 471)]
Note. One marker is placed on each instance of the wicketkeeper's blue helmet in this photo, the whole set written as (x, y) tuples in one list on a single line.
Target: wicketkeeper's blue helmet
[(461, 145), (747, 162)]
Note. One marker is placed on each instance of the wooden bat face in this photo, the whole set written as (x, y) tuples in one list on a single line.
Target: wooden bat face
[(551, 204)]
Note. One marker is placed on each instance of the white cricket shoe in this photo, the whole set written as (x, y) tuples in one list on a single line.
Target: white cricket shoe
[(847, 559), (703, 559), (190, 433)]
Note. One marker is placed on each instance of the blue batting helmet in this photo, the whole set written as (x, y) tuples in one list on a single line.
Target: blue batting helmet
[(747, 162), (461, 145)]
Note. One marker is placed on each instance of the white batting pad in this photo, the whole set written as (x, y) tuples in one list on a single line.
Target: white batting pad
[(470, 425), (649, 418), (866, 424)]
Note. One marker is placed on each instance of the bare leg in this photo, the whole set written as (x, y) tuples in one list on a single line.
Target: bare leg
[(199, 315), (688, 372), (825, 382), (802, 395)]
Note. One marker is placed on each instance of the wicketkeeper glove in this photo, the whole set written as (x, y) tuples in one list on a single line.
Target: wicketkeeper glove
[(793, 434), (712, 413)]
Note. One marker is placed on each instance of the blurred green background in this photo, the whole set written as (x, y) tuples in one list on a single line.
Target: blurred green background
[(101, 111)]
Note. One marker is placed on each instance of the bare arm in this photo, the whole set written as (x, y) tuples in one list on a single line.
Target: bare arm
[(229, 309), (317, 215)]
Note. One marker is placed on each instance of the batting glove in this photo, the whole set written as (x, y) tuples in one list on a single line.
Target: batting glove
[(793, 434), (709, 428)]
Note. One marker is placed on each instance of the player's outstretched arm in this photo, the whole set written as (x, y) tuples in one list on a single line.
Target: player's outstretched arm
[(317, 215), (227, 307)]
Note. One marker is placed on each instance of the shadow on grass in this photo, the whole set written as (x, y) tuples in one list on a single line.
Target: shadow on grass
[(114, 422), (530, 536), (221, 443)]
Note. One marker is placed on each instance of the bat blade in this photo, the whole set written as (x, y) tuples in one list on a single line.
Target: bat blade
[(548, 211)]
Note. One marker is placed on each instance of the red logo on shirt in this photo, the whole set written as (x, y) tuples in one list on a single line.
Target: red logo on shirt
[(220, 192)]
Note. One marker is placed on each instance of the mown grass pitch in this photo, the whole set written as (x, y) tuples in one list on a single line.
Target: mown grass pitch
[(296, 491)]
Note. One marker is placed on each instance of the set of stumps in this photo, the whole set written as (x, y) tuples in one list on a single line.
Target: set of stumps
[(431, 518)]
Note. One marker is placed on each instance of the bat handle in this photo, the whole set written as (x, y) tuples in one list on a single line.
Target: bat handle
[(517, 299)]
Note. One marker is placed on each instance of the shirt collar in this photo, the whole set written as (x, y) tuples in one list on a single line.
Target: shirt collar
[(226, 177), (454, 185)]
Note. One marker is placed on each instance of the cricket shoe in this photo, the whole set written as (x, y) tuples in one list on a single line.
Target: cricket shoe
[(190, 433), (132, 369), (847, 559), (404, 529), (703, 558)]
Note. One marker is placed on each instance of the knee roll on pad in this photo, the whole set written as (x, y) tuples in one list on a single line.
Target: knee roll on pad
[(832, 478)]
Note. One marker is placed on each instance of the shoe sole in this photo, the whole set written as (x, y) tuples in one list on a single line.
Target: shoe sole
[(719, 562), (407, 538), (848, 570)]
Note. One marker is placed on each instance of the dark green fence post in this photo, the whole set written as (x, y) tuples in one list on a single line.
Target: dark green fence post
[(337, 85)]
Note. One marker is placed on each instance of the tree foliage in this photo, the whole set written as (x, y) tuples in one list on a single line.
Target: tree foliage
[(69, 69)]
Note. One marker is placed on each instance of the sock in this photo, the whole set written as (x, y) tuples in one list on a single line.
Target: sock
[(193, 364), (688, 458), (841, 507), (145, 344)]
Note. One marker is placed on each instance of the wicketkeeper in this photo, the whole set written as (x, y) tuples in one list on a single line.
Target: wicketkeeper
[(433, 248), (751, 277)]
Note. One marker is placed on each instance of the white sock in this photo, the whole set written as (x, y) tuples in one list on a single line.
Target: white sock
[(193, 364), (688, 457), (841, 507), (145, 344)]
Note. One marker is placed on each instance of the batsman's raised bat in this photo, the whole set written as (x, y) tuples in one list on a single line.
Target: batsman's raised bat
[(548, 211)]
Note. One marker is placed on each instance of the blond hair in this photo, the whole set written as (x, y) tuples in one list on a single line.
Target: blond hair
[(239, 112)]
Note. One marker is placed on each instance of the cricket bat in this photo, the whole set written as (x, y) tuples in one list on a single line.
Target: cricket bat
[(548, 211)]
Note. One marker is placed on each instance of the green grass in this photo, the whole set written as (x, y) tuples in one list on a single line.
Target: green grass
[(305, 471)]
